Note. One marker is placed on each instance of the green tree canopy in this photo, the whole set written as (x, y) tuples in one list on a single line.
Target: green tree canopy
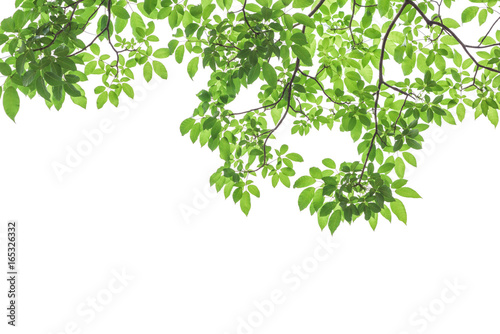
[(382, 70)]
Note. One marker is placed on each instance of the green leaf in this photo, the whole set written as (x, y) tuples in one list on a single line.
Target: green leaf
[(373, 221), (334, 221), (80, 101), (179, 54), (305, 198), (28, 77), (192, 67), (399, 210), (493, 116), (303, 54), (137, 22), (302, 3), (5, 69), (186, 125), (329, 163), (410, 158), (128, 90), (149, 6), (469, 13), (304, 181), (299, 38), (148, 71), (160, 69), (71, 90), (407, 192), (52, 79), (254, 73), (3, 38), (195, 131), (161, 53), (41, 89), (383, 6), (400, 167), (120, 12), (254, 190), (113, 98), (67, 63), (102, 99), (295, 157), (398, 183), (386, 213), (413, 143), (11, 102), (284, 179), (245, 204), (304, 19), (372, 33), (316, 172), (224, 149), (451, 23), (407, 66), (322, 221), (269, 74), (386, 168)]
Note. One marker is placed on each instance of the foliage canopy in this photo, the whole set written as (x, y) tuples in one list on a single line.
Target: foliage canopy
[(320, 63)]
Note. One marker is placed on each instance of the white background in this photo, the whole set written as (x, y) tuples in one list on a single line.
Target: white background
[(121, 209)]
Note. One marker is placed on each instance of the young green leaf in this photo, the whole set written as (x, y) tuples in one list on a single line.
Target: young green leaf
[(305, 198), (410, 158), (147, 71), (160, 69), (179, 54), (186, 125), (269, 74), (161, 53), (192, 67), (493, 116), (302, 54), (469, 14), (304, 19), (383, 6), (334, 221), (245, 204), (254, 73), (304, 181), (120, 12), (407, 192), (399, 210), (11, 102), (295, 157), (224, 149), (302, 3)]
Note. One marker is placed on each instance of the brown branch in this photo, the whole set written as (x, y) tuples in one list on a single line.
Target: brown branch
[(400, 112), (380, 82), (60, 31), (321, 86), (450, 32), (289, 99), (266, 106), (246, 19), (106, 28)]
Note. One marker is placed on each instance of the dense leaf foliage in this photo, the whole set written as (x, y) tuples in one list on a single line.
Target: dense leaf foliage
[(380, 70)]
